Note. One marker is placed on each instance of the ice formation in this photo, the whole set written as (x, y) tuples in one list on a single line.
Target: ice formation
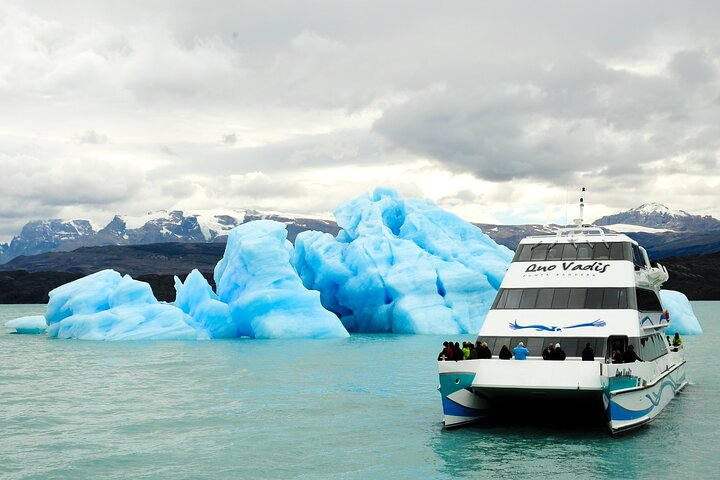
[(29, 325), (109, 306), (402, 265), (682, 317)]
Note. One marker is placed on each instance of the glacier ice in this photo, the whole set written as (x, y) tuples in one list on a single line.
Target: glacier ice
[(264, 293), (29, 325), (682, 317), (402, 265), (109, 306)]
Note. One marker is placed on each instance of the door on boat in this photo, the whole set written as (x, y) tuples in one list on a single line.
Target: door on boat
[(616, 342)]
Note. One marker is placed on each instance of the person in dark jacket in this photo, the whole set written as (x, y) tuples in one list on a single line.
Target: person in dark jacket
[(445, 354), (505, 353), (630, 356), (557, 353), (617, 356), (483, 351), (548, 351), (588, 354), (457, 352)]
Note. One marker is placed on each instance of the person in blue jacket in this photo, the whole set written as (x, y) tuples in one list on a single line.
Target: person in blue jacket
[(520, 351)]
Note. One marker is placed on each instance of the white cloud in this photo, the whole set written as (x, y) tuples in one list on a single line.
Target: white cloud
[(490, 108)]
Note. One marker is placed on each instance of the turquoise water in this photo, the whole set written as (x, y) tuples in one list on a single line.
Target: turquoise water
[(359, 408)]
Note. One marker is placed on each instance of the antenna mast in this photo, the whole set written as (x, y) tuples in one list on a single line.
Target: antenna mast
[(579, 221)]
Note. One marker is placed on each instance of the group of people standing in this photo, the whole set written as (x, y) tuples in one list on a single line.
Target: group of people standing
[(469, 351)]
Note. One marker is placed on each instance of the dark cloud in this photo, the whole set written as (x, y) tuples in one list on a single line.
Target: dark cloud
[(229, 139)]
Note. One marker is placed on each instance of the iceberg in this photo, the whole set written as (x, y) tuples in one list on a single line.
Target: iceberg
[(265, 296), (402, 266), (109, 306), (32, 324), (682, 317)]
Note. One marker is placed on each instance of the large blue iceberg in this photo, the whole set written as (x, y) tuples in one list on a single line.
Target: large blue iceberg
[(402, 265)]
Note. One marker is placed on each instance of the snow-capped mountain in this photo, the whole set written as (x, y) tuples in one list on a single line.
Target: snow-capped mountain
[(659, 218), (156, 227)]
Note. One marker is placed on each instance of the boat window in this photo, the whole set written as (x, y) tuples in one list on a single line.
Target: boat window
[(647, 301), (594, 298), (555, 252), (611, 298), (585, 251), (535, 345), (617, 251), (570, 345), (560, 299), (544, 299), (577, 297), (500, 299), (569, 252), (601, 251), (539, 252), (638, 257), (513, 298), (529, 297), (523, 253)]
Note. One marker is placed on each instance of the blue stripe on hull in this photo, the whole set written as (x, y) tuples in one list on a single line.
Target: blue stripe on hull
[(455, 409)]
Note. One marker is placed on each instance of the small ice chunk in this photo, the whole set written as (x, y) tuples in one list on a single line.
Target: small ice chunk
[(682, 317), (32, 324)]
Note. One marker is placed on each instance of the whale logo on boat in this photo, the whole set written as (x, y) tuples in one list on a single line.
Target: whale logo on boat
[(554, 328)]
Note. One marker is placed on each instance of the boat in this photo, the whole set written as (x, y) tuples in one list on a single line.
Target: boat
[(578, 287)]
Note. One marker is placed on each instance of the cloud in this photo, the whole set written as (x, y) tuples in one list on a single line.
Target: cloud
[(92, 137), (229, 139)]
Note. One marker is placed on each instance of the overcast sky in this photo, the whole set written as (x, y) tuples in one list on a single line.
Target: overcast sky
[(498, 111)]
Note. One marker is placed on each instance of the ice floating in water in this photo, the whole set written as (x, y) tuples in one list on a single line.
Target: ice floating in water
[(404, 266), (28, 325), (682, 317), (109, 306), (264, 293)]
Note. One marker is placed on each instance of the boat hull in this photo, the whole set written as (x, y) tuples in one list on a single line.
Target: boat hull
[(477, 390), (632, 407)]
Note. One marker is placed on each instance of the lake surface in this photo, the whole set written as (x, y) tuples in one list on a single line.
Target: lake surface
[(359, 408)]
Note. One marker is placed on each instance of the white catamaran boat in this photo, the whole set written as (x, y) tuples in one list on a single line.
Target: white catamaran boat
[(580, 286)]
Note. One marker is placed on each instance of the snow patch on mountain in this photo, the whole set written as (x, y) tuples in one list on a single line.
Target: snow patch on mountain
[(627, 228)]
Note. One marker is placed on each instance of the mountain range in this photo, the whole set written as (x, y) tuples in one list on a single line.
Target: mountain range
[(157, 246), (41, 236)]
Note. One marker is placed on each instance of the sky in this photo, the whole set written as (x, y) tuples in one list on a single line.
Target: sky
[(496, 110)]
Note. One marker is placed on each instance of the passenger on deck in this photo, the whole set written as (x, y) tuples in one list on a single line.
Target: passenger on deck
[(484, 351), (548, 351), (446, 354), (588, 354), (457, 352), (630, 356), (520, 351), (677, 341), (466, 351), (617, 356), (505, 353), (557, 353), (473, 351)]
